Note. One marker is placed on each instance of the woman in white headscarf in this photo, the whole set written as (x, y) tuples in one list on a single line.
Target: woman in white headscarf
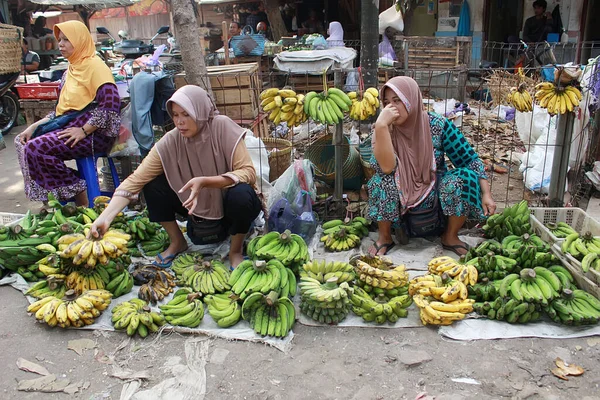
[(336, 34)]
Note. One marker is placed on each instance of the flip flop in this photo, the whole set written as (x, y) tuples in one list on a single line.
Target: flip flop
[(387, 246), (456, 247), (165, 262)]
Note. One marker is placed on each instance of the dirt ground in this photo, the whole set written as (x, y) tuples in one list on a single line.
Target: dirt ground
[(323, 363)]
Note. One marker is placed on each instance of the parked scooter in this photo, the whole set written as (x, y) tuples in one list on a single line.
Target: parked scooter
[(133, 48), (9, 103)]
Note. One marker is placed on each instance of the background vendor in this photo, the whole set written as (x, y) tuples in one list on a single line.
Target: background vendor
[(31, 59)]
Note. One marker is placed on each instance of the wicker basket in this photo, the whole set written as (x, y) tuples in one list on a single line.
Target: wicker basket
[(322, 154), (366, 152), (280, 156), (500, 82), (11, 38)]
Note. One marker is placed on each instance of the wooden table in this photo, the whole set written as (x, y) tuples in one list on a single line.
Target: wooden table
[(35, 110)]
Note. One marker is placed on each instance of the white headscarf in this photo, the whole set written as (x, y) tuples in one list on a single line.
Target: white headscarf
[(336, 35)]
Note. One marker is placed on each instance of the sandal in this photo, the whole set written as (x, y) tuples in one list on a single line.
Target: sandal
[(456, 247), (387, 246), (165, 262)]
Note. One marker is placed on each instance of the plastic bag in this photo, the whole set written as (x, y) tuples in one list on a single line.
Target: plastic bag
[(260, 160), (391, 18), (351, 81), (299, 176), (125, 144), (305, 223)]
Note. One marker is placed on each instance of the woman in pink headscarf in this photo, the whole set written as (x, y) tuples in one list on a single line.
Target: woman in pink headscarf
[(413, 191), (202, 170)]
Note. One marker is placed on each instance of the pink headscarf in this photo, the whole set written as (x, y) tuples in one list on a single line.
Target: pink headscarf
[(415, 175), (209, 153)]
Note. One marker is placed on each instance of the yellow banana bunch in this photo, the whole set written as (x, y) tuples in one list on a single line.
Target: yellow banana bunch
[(520, 98), (465, 273), (82, 281), (383, 278), (438, 313), (341, 240), (366, 107), (90, 252), (71, 310), (283, 105), (557, 99)]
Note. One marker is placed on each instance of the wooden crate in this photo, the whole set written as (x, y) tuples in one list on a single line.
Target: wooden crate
[(432, 52), (259, 126), (35, 110), (236, 88), (307, 83)]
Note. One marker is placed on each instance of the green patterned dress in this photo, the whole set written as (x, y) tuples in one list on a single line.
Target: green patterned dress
[(458, 189)]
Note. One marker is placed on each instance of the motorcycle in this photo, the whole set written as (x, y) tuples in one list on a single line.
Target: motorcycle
[(133, 48), (9, 103)]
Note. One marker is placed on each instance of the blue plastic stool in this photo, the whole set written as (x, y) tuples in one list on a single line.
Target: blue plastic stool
[(88, 170)]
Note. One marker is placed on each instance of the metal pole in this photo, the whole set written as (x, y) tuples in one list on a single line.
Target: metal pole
[(560, 163), (337, 142)]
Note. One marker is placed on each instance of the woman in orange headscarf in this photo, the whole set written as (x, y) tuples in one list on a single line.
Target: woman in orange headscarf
[(86, 121), (412, 189)]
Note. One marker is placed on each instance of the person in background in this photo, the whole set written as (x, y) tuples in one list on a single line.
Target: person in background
[(536, 28), (336, 35), (39, 28), (253, 18), (86, 121), (234, 30), (31, 60), (387, 55), (313, 24)]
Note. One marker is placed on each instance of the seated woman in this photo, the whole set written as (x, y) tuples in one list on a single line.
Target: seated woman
[(201, 169), (336, 34), (86, 121), (409, 146)]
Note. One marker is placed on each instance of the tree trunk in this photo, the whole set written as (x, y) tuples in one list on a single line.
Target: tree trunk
[(278, 28), (186, 27), (369, 49)]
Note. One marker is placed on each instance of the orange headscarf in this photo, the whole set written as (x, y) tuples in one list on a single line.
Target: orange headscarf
[(87, 72)]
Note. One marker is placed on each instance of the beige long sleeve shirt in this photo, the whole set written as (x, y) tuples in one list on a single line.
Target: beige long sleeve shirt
[(151, 167)]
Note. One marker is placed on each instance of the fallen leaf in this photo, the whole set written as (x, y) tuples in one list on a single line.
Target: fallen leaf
[(28, 366), (79, 345), (559, 373), (127, 374), (46, 384), (569, 369)]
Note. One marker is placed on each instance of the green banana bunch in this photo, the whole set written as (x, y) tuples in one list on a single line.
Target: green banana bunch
[(206, 277), (156, 244), (509, 310), (183, 261), (323, 270), (358, 226), (287, 247), (260, 276), (493, 266), (537, 285), (484, 290), (512, 221), (120, 284), (224, 309), (560, 229), (379, 308), (269, 315), (376, 291), (341, 240), (185, 309), (584, 248), (575, 307), (512, 243), (327, 107), (327, 302), (48, 287), (135, 316)]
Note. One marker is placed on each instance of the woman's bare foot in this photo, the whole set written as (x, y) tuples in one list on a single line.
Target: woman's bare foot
[(165, 259)]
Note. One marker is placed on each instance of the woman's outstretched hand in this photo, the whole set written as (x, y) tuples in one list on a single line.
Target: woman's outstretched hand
[(194, 184), (488, 204)]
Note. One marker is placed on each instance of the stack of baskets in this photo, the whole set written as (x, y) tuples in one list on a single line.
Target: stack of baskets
[(322, 154), (11, 38)]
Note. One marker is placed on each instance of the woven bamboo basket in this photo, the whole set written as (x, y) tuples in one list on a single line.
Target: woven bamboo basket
[(366, 151), (322, 154), (11, 38), (500, 82), (280, 156)]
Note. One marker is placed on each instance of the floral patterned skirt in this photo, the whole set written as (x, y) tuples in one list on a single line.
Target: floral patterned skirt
[(458, 190)]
